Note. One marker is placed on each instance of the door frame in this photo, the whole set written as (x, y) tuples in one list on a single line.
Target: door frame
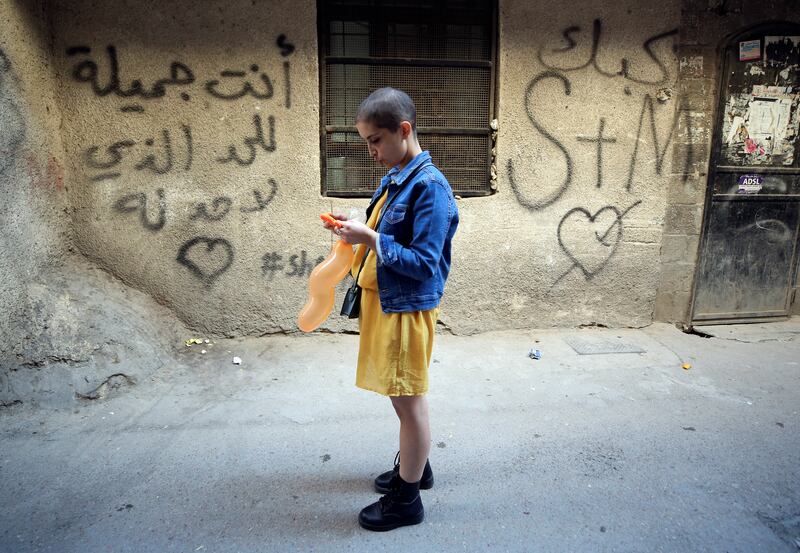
[(714, 154)]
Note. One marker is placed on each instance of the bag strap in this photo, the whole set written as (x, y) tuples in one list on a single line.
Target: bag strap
[(383, 211)]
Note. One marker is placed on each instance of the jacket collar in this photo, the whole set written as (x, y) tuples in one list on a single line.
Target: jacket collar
[(399, 177)]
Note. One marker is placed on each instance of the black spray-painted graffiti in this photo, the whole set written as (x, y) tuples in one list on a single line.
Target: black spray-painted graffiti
[(648, 108), (625, 65), (212, 86), (272, 263), (12, 122), (286, 47), (222, 205), (660, 153), (261, 202), (138, 202), (219, 209), (252, 142), (113, 155), (515, 187), (207, 258), (588, 249), (109, 159), (88, 71), (605, 243), (180, 77), (599, 140)]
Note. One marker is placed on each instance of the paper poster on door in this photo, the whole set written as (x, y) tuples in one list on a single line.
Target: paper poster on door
[(768, 122), (782, 50), (761, 127)]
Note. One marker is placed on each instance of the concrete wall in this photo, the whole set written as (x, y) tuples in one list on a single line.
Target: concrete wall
[(193, 153), (588, 117), (571, 237), (34, 231), (191, 160), (67, 330)]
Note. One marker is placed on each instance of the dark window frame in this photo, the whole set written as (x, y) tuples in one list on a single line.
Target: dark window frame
[(377, 13)]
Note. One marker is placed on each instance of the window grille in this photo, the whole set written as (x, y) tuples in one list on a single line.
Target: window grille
[(441, 52)]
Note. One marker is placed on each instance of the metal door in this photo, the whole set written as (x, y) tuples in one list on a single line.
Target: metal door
[(749, 245)]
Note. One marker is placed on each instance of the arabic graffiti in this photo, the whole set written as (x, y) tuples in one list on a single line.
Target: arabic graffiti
[(262, 203), (231, 84), (159, 157), (625, 65), (138, 202), (247, 88), (221, 205), (173, 148), (219, 209), (588, 237), (87, 71), (114, 154), (252, 142), (286, 47)]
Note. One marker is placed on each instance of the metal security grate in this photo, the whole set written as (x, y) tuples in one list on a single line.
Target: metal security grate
[(444, 96), (351, 172), (441, 53)]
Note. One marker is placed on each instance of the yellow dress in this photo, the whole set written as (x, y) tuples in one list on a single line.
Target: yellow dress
[(394, 350)]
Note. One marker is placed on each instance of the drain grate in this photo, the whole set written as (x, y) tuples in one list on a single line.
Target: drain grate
[(597, 346)]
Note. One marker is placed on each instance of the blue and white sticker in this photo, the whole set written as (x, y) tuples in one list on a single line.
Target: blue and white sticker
[(750, 50), (750, 184)]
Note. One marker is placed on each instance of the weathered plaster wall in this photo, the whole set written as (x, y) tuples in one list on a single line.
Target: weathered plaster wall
[(33, 227), (588, 117), (180, 186), (192, 138), (66, 329), (191, 164), (34, 231)]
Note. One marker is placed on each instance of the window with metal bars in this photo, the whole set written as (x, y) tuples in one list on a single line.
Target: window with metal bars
[(441, 52)]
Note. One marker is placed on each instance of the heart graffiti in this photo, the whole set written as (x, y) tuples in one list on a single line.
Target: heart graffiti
[(203, 262), (590, 240)]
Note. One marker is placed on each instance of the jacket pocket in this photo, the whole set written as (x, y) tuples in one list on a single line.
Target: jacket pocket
[(395, 214)]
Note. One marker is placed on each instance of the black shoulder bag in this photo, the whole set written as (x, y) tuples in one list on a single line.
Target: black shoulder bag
[(351, 306)]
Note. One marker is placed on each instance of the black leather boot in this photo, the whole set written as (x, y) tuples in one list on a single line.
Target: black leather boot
[(402, 506), (383, 482)]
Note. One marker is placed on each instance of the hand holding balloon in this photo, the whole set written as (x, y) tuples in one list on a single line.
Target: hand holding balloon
[(324, 279)]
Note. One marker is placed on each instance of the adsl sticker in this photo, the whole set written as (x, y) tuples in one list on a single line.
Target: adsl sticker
[(750, 184)]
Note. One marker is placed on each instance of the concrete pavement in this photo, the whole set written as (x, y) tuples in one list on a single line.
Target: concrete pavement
[(605, 452)]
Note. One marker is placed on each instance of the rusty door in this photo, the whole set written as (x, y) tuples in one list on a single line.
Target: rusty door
[(749, 245)]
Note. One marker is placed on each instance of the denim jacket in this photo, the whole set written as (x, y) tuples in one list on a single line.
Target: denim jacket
[(416, 230)]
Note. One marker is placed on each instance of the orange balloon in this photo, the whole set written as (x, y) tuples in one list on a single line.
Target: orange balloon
[(321, 284)]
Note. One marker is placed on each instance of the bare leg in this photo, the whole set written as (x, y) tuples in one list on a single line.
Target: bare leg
[(415, 435)]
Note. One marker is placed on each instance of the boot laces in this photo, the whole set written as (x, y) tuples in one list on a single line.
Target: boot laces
[(387, 500)]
